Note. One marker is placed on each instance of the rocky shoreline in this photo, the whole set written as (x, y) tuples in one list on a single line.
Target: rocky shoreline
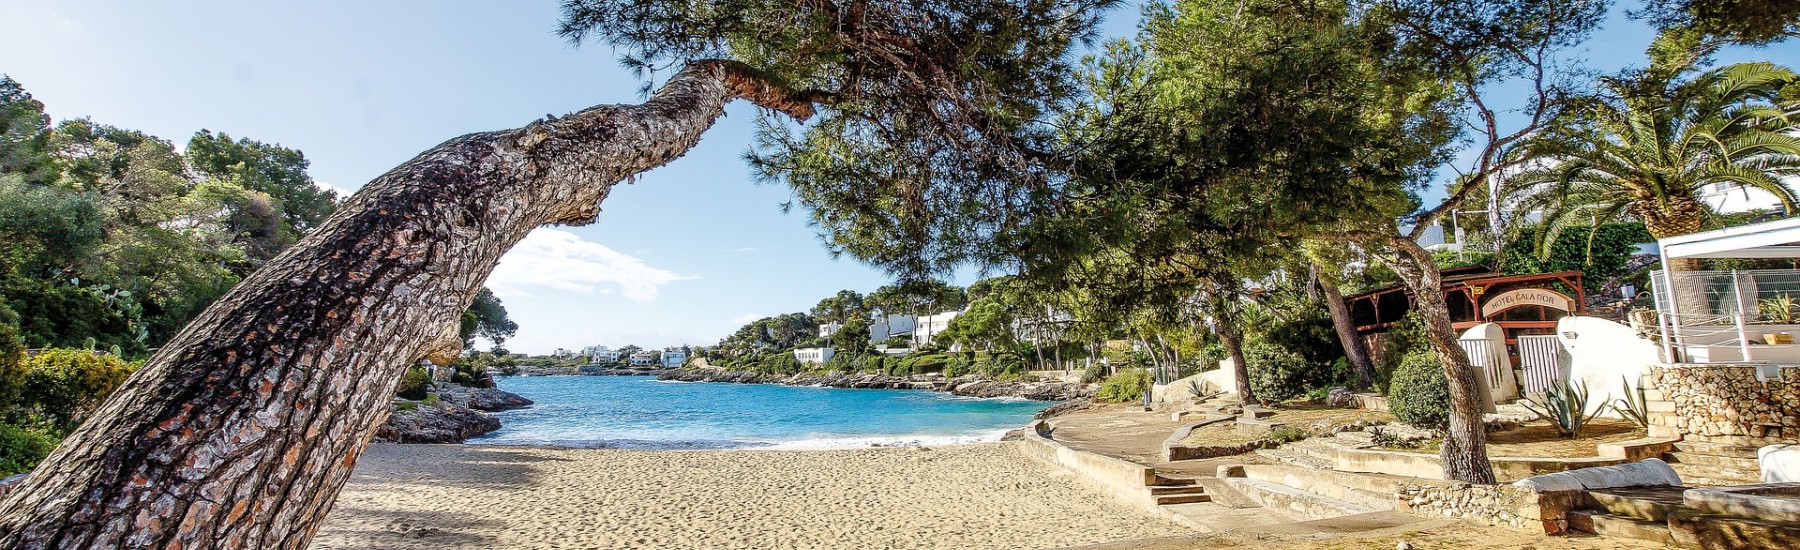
[(457, 414), (966, 386)]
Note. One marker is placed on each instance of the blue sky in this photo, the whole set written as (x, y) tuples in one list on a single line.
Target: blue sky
[(684, 255)]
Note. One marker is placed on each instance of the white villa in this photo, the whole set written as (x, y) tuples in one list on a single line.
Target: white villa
[(673, 357), (889, 326), (929, 325), (601, 355), (643, 358), (828, 329), (814, 355)]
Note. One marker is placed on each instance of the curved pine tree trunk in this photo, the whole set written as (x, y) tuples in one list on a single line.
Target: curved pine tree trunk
[(1465, 442), (240, 432), (1234, 345), (1355, 350)]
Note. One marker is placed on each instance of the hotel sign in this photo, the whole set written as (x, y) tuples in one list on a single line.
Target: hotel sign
[(1527, 297)]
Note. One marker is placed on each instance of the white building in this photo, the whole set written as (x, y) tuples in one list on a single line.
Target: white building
[(930, 325), (673, 357), (643, 358), (814, 355), (828, 329), (601, 355), (890, 326), (1733, 198)]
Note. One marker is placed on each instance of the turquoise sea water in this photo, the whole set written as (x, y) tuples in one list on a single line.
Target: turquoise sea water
[(643, 413)]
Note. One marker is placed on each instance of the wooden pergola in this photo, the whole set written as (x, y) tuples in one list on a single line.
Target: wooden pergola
[(1475, 296)]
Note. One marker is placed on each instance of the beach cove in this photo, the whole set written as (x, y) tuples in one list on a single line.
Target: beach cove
[(987, 495)]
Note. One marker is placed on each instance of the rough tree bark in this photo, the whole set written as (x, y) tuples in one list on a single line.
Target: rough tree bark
[(1355, 350), (240, 432), (1240, 368), (1465, 445)]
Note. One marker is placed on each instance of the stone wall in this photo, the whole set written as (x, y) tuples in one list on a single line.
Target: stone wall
[(1500, 505), (1724, 404)]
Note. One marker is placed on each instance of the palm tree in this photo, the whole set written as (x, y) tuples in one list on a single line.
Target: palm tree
[(1650, 146)]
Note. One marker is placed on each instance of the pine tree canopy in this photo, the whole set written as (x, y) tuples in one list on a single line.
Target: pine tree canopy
[(932, 114)]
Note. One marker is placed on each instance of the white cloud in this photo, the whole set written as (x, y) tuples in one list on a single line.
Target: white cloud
[(745, 319), (745, 251), (562, 261), (343, 192)]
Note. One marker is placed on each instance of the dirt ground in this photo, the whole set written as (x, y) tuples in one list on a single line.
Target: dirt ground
[(1539, 439), (1297, 415)]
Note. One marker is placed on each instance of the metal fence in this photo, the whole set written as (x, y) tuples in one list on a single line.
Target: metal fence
[(1726, 316)]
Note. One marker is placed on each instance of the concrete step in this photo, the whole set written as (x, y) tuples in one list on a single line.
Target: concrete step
[(1702, 459), (1608, 525), (1714, 476), (1181, 499), (1172, 481), (1373, 492), (1643, 503), (1294, 502), (1177, 490), (1715, 449), (1356, 438)]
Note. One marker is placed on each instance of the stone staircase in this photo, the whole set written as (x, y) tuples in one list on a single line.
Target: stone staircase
[(1171, 490), (1640, 513), (1713, 464)]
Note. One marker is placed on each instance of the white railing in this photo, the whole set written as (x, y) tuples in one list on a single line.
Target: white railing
[(1481, 356), (1541, 357), (1722, 316)]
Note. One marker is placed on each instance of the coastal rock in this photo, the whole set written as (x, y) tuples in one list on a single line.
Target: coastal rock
[(1339, 397), (443, 423), (482, 399), (967, 386)]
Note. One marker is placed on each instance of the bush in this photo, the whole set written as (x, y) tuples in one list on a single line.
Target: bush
[(415, 385), (1405, 338), (64, 385), (22, 449), (1125, 387), (471, 375), (1093, 373), (1420, 395), (1277, 374)]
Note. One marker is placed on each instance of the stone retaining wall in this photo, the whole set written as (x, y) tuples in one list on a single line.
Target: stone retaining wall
[(1724, 404), (1500, 505)]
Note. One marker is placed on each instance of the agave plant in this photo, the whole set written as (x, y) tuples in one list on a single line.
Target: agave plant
[(1635, 408), (1564, 405)]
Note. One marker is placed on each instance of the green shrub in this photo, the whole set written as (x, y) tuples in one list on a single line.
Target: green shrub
[(64, 385), (472, 376), (22, 449), (1419, 394), (929, 363), (1093, 373), (405, 406), (1277, 374), (1406, 337), (12, 365), (1286, 434), (415, 385), (432, 401), (1126, 386)]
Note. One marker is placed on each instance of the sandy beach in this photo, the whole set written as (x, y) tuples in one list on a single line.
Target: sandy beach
[(964, 496)]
